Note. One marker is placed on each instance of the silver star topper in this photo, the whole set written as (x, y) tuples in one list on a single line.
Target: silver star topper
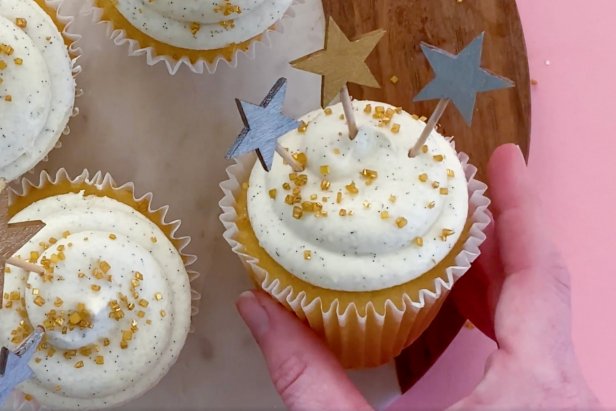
[(14, 368), (460, 77), (264, 125)]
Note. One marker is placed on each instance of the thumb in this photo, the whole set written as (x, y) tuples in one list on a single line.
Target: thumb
[(305, 373)]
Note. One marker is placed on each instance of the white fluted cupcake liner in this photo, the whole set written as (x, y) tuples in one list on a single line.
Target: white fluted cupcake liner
[(105, 183), (135, 49), (370, 335)]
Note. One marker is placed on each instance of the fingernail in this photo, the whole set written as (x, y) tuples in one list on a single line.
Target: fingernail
[(253, 313)]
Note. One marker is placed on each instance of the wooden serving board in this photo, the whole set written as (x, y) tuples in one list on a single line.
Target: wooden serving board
[(500, 117)]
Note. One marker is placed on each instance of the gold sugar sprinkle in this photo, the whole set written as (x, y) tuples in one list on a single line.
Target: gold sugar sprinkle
[(301, 158), (194, 28), (371, 174), (79, 364), (341, 116), (148, 322), (436, 184), (158, 296), (34, 256), (21, 22), (395, 128), (366, 204), (35, 291), (438, 157), (19, 61), (140, 314), (123, 345), (272, 193), (106, 342), (104, 266), (394, 79), (339, 197), (342, 212), (424, 149), (303, 126), (138, 276), (352, 188), (324, 169), (423, 118), (384, 215), (450, 173), (113, 236), (163, 314), (2, 65), (325, 184), (401, 222), (313, 196), (336, 151), (153, 239), (444, 191), (289, 199), (8, 97), (99, 360), (419, 241), (28, 397), (328, 111), (286, 186), (446, 232), (298, 212), (307, 255), (431, 204), (58, 302), (40, 301), (392, 198), (423, 177), (95, 287), (6, 49), (368, 108)]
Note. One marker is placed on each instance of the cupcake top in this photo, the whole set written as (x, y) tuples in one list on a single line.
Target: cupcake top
[(362, 216), (115, 302), (37, 89), (202, 24)]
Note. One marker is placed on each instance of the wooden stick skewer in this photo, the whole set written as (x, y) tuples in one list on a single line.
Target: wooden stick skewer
[(347, 105), (434, 119), (18, 262), (288, 158)]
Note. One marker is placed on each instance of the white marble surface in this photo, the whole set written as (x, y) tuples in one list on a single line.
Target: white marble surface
[(169, 136)]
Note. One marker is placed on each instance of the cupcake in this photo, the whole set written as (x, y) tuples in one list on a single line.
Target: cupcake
[(365, 243), (115, 300), (197, 33), (37, 88)]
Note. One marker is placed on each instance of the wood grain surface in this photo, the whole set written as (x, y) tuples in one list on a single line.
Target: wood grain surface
[(501, 116)]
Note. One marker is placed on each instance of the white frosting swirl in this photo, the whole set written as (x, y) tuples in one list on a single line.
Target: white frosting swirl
[(93, 232), (376, 245), (203, 24), (37, 88)]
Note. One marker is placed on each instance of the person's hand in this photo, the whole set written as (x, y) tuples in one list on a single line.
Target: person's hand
[(518, 292)]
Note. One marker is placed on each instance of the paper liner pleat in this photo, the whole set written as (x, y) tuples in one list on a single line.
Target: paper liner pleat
[(379, 335)]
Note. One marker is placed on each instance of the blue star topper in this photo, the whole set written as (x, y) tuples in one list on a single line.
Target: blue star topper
[(460, 77), (14, 368), (265, 124)]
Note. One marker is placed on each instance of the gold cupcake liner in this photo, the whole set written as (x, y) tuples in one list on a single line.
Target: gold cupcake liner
[(63, 23), (99, 184), (122, 32), (363, 329)]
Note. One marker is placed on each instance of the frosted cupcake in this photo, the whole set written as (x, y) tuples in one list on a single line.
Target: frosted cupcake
[(115, 300), (365, 243), (37, 88), (197, 33)]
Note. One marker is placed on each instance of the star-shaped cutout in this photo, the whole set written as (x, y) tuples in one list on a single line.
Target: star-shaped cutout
[(14, 368), (342, 61), (460, 77), (12, 236), (265, 124)]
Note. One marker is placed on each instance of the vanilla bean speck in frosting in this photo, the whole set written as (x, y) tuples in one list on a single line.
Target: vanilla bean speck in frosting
[(115, 302), (362, 216), (37, 88), (202, 24)]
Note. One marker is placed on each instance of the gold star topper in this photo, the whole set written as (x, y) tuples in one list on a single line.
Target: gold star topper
[(342, 61), (13, 237)]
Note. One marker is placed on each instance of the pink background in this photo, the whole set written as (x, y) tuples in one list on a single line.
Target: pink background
[(573, 57)]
